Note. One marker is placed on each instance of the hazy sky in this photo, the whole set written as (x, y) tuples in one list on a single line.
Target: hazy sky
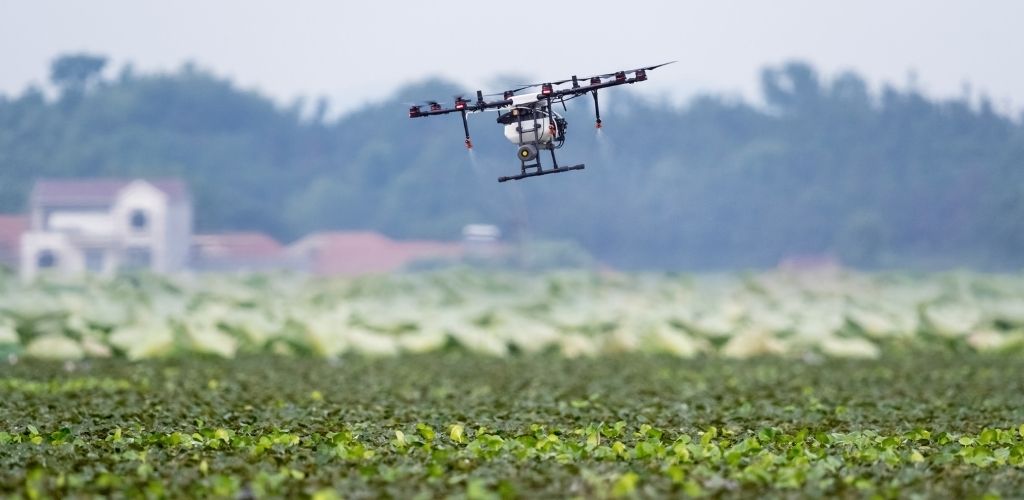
[(356, 51)]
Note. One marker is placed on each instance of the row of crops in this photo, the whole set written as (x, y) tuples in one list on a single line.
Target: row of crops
[(458, 425), (669, 460), (824, 314)]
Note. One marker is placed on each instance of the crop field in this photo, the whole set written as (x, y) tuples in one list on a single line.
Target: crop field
[(439, 424), (825, 314), (481, 385)]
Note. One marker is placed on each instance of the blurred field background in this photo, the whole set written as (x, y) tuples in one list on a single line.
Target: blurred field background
[(803, 315)]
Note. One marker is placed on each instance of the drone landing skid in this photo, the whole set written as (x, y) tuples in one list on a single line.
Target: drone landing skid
[(536, 173), (531, 162)]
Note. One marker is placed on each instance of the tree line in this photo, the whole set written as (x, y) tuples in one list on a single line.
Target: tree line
[(826, 166)]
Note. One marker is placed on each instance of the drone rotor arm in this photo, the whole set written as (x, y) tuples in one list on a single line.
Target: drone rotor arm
[(468, 108), (620, 79)]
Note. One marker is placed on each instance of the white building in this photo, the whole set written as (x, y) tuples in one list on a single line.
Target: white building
[(103, 225)]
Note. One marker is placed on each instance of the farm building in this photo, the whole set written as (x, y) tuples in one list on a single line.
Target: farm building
[(238, 251), (103, 225), (352, 253)]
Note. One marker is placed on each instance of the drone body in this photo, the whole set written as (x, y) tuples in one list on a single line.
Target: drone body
[(530, 121)]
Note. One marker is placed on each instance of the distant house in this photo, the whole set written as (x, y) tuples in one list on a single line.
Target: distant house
[(105, 225), (810, 262), (483, 242), (366, 252), (11, 229), (240, 251)]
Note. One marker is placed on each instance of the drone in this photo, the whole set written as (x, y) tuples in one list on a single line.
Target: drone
[(530, 120)]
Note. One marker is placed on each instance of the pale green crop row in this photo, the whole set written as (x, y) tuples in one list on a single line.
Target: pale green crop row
[(840, 314)]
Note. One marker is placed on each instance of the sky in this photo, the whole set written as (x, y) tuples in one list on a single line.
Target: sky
[(359, 52)]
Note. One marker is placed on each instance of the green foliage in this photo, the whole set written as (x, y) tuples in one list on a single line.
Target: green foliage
[(887, 179), (71, 73), (917, 424)]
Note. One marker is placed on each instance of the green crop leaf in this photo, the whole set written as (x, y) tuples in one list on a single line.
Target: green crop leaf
[(626, 484), (708, 436), (426, 431), (455, 433), (619, 448), (693, 489), (680, 450), (325, 494), (1002, 455), (476, 489), (400, 440)]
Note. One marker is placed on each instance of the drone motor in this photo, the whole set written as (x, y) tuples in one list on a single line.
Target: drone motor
[(527, 152)]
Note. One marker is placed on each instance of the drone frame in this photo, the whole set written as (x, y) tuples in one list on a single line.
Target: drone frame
[(533, 161), (548, 94)]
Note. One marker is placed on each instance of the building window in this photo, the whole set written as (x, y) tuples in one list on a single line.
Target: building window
[(139, 221), (46, 259), (94, 260), (138, 258)]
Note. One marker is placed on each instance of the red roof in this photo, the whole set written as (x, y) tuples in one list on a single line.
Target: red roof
[(367, 252), (237, 246), (98, 191), (11, 228)]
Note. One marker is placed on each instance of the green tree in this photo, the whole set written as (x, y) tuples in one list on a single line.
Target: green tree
[(74, 72)]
